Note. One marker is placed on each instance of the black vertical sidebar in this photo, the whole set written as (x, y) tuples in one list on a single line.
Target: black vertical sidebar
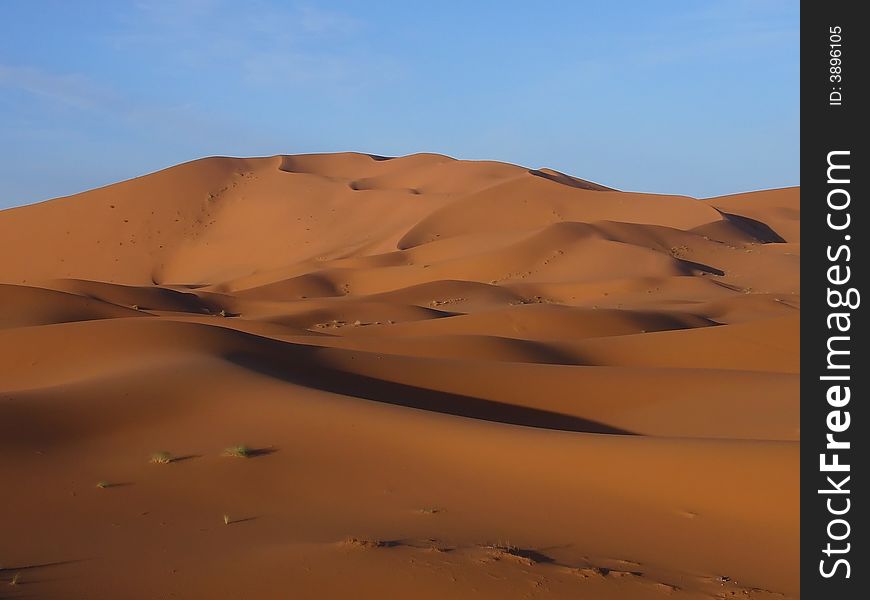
[(834, 223)]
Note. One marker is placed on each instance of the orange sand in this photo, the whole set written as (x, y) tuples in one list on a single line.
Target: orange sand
[(462, 379)]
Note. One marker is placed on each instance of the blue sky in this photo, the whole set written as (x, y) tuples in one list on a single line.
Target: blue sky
[(697, 98)]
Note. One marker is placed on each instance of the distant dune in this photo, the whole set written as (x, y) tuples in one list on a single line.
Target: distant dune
[(456, 379)]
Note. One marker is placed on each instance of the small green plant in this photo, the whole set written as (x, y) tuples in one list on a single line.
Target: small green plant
[(103, 484), (240, 451), (365, 543), (161, 458)]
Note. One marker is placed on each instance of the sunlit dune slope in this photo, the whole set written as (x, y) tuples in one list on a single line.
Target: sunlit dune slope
[(457, 379)]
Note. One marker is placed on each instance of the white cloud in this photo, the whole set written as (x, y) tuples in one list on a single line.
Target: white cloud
[(256, 43), (70, 89)]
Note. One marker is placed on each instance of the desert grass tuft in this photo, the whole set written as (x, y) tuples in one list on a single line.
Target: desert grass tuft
[(161, 458), (362, 543), (15, 579), (103, 484), (240, 451), (227, 520)]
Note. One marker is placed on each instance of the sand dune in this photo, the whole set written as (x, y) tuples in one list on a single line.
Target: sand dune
[(456, 379)]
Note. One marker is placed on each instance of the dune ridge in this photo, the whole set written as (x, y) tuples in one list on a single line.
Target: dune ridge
[(461, 378)]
